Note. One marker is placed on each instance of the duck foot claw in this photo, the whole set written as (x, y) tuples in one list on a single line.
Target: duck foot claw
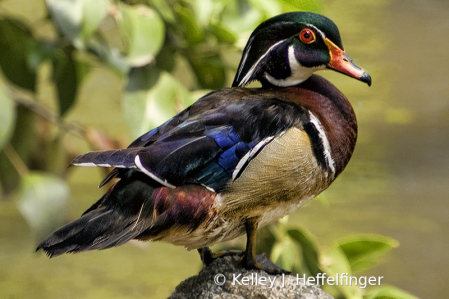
[(207, 256)]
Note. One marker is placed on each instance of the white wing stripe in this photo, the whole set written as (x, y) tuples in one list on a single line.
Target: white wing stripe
[(89, 164), (249, 155), (150, 174)]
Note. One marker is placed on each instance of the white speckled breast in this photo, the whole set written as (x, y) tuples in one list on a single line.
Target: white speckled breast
[(283, 177)]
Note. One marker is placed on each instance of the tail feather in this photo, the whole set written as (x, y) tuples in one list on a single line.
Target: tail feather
[(123, 158), (119, 216), (80, 235), (56, 244)]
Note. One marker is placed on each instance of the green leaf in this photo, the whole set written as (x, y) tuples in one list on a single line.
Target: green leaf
[(309, 247), (65, 77), (189, 25), (7, 116), (165, 60), (16, 43), (203, 10), (144, 31), (285, 254), (223, 34), (68, 15), (315, 6), (363, 251), (266, 240), (389, 292), (269, 8), (335, 264), (110, 55), (209, 71), (77, 19), (83, 68), (42, 202), (164, 9), (151, 98), (93, 13), (41, 51), (240, 16)]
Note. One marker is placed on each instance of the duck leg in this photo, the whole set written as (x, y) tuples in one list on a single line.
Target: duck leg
[(261, 262), (249, 258)]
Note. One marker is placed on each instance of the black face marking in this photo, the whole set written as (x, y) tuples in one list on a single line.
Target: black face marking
[(278, 65)]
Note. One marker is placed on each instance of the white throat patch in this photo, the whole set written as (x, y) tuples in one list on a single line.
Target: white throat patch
[(299, 73)]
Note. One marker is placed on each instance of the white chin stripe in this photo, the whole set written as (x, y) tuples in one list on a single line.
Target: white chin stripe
[(327, 152), (150, 174), (299, 73)]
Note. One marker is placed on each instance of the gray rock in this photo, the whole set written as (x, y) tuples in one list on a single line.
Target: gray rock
[(225, 278)]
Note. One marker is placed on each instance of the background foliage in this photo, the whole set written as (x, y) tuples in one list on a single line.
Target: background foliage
[(163, 52)]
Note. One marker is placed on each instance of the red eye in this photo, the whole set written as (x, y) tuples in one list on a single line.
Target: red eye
[(307, 36)]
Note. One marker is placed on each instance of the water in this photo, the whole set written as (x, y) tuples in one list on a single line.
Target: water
[(395, 185)]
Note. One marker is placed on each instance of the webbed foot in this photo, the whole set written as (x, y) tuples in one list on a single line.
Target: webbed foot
[(207, 256), (263, 263)]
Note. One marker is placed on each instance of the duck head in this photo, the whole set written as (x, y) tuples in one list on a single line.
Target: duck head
[(287, 49)]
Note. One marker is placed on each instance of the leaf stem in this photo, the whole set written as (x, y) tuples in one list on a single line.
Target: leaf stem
[(15, 159), (75, 129)]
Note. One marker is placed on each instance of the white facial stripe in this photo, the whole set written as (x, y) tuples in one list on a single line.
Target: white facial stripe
[(317, 30), (251, 71), (299, 73), (249, 155), (322, 135), (150, 174)]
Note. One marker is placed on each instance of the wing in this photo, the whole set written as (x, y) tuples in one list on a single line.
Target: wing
[(209, 143)]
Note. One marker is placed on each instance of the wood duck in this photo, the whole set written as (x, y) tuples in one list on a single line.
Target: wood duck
[(238, 159)]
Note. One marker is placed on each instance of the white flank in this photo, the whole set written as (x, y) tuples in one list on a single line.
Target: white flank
[(299, 73), (251, 71), (150, 174), (248, 156), (327, 148)]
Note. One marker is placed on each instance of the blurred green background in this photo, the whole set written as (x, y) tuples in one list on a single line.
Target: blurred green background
[(107, 71)]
